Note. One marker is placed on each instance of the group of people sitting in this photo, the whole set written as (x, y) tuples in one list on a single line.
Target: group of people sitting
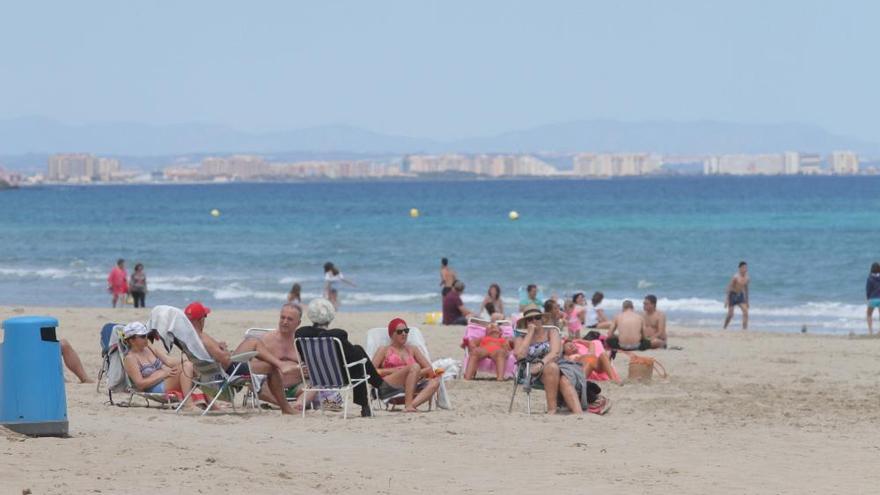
[(398, 371), (628, 330)]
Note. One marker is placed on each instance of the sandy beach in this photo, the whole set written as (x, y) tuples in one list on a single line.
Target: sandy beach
[(740, 413)]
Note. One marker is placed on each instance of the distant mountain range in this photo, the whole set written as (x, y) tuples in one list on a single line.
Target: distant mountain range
[(38, 136)]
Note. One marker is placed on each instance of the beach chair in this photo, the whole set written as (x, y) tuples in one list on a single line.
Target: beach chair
[(476, 329), (524, 378), (106, 333), (324, 368), (378, 337), (175, 329)]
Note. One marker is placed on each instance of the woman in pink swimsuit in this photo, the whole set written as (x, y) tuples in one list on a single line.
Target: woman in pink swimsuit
[(404, 366)]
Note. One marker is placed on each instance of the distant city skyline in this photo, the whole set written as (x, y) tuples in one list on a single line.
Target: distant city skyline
[(442, 70)]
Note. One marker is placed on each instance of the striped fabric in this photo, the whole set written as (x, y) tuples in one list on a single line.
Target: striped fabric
[(321, 356)]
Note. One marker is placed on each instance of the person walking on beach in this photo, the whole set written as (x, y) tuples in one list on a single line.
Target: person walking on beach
[(137, 286), (738, 295), (332, 277), (872, 294), (447, 277), (117, 283)]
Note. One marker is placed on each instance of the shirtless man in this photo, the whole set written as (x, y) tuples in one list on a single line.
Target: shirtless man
[(447, 277), (631, 328), (655, 322), (196, 312), (280, 344), (738, 295)]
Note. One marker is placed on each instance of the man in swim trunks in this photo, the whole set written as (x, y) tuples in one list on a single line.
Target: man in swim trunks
[(279, 343), (738, 295), (655, 322), (197, 312), (631, 329)]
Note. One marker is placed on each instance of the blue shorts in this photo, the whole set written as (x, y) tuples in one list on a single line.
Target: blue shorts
[(158, 388), (874, 303)]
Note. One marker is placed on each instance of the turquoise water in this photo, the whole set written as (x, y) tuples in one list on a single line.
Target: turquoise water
[(809, 242)]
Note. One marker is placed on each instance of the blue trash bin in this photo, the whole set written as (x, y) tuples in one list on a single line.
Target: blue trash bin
[(32, 396)]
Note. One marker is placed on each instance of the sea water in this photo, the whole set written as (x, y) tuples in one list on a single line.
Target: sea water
[(809, 242)]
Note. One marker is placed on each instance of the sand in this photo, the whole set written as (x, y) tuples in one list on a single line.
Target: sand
[(740, 413)]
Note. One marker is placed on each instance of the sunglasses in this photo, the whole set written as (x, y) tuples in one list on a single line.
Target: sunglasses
[(402, 331), (533, 318)]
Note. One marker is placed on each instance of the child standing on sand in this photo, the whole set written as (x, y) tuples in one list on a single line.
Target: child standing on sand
[(332, 277), (117, 283)]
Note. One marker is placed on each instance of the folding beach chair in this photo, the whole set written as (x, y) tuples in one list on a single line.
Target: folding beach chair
[(324, 368), (524, 376), (106, 333), (476, 329), (377, 337), (175, 329)]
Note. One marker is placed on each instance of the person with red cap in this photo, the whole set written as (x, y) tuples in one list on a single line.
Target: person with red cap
[(403, 365), (197, 312)]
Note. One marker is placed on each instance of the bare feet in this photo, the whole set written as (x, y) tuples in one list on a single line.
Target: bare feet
[(410, 410)]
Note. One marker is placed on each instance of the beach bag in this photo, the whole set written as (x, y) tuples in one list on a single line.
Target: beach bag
[(641, 368)]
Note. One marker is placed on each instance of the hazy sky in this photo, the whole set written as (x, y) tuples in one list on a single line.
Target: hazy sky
[(442, 69)]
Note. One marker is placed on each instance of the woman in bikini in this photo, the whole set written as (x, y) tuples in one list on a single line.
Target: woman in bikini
[(542, 346), (151, 372), (492, 345), (591, 354), (404, 366)]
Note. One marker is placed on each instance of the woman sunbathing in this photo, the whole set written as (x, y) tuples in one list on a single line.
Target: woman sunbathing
[(541, 346), (493, 346), (153, 372), (591, 354), (404, 366)]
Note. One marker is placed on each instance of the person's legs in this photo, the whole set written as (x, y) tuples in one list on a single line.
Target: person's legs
[(550, 379), (474, 357), (606, 366), (570, 396), (500, 358), (73, 363), (115, 298), (412, 378), (745, 311), (426, 393), (277, 390), (870, 313), (729, 315)]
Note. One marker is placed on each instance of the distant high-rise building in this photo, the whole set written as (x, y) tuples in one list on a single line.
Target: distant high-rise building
[(844, 163), (81, 167), (490, 165), (616, 164), (787, 163)]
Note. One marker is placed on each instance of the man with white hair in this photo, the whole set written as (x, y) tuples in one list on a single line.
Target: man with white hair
[(321, 312)]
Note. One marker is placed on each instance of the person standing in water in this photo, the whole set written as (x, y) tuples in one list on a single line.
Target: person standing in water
[(447, 277), (137, 286), (332, 277), (738, 295), (117, 283), (872, 294)]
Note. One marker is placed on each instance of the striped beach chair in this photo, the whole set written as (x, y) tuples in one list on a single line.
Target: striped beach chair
[(323, 367)]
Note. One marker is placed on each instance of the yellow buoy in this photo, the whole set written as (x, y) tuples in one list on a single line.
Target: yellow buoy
[(215, 213), (414, 212), (513, 215)]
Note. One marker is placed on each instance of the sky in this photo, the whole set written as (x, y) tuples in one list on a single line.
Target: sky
[(443, 70)]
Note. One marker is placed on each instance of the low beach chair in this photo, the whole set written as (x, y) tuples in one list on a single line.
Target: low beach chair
[(476, 329), (324, 368), (378, 337), (175, 329), (106, 333), (524, 376)]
